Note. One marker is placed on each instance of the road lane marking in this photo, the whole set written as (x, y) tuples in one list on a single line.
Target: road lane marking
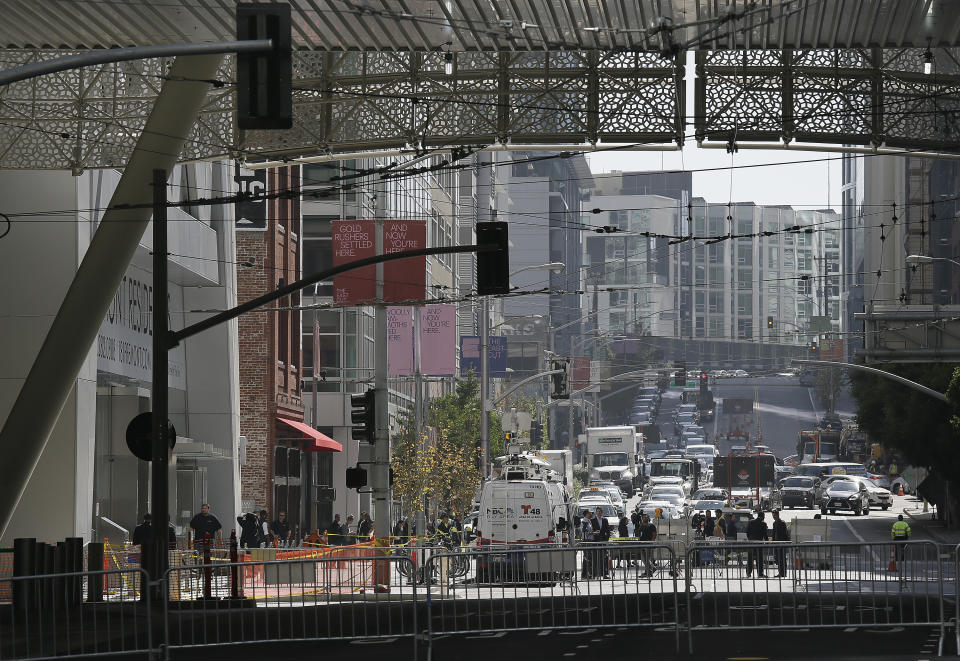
[(873, 549)]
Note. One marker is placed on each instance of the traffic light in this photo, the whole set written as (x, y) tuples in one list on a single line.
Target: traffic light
[(493, 266), (264, 79), (536, 433), (813, 346), (680, 378), (560, 385), (363, 416), (769, 322), (508, 436), (356, 477), (703, 383)]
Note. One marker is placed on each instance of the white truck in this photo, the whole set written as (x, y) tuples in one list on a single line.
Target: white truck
[(561, 462), (612, 457)]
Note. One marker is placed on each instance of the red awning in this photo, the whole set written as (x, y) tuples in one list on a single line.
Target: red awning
[(315, 441)]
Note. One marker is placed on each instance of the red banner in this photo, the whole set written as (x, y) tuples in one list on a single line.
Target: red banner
[(405, 279), (580, 372), (353, 240)]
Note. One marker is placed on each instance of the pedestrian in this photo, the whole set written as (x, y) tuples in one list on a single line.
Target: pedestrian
[(364, 528), (647, 533), (142, 532), (401, 531), (347, 531), (708, 524), (623, 531), (335, 531), (636, 518), (756, 532), (780, 534), (204, 523), (603, 555), (250, 537), (900, 533), (264, 522), (281, 529), (444, 532), (719, 529), (587, 534)]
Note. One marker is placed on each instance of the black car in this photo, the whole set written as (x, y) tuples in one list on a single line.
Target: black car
[(845, 495), (798, 492)]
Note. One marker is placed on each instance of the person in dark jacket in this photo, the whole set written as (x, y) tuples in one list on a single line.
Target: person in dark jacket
[(250, 537), (603, 555), (623, 531), (335, 532), (364, 528), (780, 534), (756, 532), (141, 534), (280, 529)]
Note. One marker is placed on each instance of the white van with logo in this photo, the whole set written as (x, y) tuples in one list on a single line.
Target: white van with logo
[(516, 515)]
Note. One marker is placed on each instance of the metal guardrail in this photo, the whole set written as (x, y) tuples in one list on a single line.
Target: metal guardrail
[(59, 615), (509, 589), (302, 599), (379, 592), (786, 585)]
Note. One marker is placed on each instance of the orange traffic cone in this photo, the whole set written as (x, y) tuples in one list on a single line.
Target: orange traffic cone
[(899, 488), (893, 559)]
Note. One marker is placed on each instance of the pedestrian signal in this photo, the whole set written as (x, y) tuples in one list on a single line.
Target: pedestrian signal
[(363, 415)]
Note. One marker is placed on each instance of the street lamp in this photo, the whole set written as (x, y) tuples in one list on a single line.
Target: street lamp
[(555, 267), (927, 259)]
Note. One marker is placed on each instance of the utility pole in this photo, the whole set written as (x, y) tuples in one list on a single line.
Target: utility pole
[(484, 385), (380, 476), (160, 456)]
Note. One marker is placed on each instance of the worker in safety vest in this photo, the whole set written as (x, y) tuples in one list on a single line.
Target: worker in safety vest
[(900, 533)]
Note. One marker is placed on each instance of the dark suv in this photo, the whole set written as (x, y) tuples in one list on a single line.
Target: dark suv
[(799, 491), (845, 495)]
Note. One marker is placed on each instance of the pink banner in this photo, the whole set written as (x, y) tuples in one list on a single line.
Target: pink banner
[(438, 340), (400, 341)]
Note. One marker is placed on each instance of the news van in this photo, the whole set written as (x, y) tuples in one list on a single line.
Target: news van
[(517, 516)]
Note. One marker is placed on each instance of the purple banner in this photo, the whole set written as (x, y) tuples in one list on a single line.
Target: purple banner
[(438, 340), (399, 341)]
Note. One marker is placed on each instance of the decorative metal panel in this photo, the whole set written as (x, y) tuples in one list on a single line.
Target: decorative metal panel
[(865, 97)]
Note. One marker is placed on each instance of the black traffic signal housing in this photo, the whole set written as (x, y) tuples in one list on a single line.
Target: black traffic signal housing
[(813, 345), (536, 433), (265, 78), (680, 378), (560, 383), (703, 383), (363, 416), (356, 477), (493, 266), (508, 436), (769, 322)]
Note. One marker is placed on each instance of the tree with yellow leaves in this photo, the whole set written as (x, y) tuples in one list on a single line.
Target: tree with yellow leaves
[(442, 461)]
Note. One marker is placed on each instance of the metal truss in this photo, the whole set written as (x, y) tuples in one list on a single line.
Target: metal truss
[(850, 97), (378, 100), (92, 117), (911, 333)]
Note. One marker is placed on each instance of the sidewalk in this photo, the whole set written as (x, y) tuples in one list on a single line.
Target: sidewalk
[(924, 523)]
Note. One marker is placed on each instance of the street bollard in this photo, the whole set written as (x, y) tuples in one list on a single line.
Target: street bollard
[(235, 590), (207, 573), (74, 565), (94, 563), (24, 564)]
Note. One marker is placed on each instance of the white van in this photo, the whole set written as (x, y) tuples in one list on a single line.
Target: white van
[(514, 515)]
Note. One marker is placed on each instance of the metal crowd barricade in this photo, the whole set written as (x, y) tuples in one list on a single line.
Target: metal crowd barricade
[(509, 588), (298, 599), (54, 615), (824, 586)]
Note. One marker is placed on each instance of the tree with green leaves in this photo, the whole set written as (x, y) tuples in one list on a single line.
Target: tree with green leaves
[(924, 430), (442, 460)]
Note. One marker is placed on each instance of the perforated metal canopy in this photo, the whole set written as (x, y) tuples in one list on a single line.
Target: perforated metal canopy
[(464, 25), (413, 74)]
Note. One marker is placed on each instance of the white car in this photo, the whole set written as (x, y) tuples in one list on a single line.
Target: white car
[(742, 374), (673, 494), (879, 497), (711, 493), (667, 509)]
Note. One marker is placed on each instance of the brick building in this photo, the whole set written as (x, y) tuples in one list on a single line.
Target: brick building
[(279, 463)]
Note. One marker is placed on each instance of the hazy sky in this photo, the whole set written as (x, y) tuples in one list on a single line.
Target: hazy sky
[(802, 185)]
